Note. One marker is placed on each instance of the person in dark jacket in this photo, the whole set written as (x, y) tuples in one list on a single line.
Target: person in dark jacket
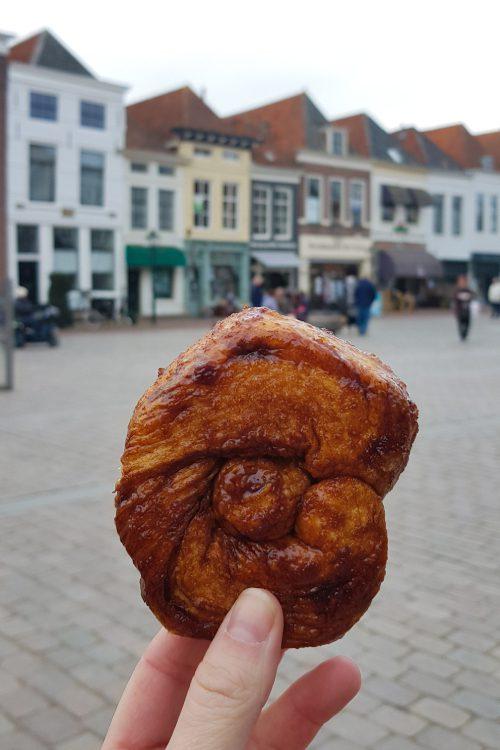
[(364, 294), (462, 303), (257, 290)]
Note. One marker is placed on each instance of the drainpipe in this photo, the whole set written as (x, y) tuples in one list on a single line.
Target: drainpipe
[(7, 380)]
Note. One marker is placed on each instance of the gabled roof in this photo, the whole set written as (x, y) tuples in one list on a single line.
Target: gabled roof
[(367, 138), (282, 127), (423, 150), (457, 142), (490, 143), (151, 122), (45, 51)]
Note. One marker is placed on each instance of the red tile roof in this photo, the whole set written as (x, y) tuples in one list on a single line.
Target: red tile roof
[(150, 122), (25, 50), (490, 143), (279, 126), (424, 151), (457, 142)]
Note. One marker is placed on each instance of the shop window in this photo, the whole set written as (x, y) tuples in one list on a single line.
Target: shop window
[(65, 242), (163, 283)]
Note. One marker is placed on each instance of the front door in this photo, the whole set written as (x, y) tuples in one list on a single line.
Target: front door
[(134, 293), (28, 277)]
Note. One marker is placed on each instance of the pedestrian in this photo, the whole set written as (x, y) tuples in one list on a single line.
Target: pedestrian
[(494, 297), (300, 306), (462, 303), (269, 299), (364, 294), (351, 281), (257, 290)]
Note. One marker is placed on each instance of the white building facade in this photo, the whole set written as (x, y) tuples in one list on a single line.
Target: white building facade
[(154, 233), (65, 171)]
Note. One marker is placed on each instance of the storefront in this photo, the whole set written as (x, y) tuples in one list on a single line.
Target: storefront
[(156, 281), (217, 272), (278, 267), (408, 276), (484, 268)]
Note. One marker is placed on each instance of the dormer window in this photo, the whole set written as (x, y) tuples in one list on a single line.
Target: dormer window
[(395, 154), (336, 141)]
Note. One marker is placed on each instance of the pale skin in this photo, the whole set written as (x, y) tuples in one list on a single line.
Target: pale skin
[(188, 693)]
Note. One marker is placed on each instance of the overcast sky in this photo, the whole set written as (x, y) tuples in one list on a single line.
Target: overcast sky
[(425, 63)]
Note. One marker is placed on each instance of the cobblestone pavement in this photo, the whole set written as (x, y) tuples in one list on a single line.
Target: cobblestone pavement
[(72, 623)]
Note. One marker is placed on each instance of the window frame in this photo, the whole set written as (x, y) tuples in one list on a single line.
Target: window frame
[(289, 219), (171, 193), (65, 249), (362, 184), (171, 273), (100, 105), (102, 171), (438, 230), (267, 189), (233, 202), (53, 193), (456, 228), (320, 180), (145, 191), (493, 214), (32, 253), (45, 95), (207, 197), (339, 181), (479, 222), (110, 252)]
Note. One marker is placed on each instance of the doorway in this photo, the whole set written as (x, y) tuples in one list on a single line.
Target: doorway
[(134, 293), (27, 271)]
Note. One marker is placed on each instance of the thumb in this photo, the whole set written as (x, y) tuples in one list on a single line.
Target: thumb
[(234, 680)]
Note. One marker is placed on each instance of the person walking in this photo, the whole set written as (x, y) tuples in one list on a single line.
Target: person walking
[(257, 290), (462, 303), (364, 294), (494, 297)]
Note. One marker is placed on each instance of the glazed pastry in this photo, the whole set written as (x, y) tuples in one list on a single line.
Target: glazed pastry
[(260, 457)]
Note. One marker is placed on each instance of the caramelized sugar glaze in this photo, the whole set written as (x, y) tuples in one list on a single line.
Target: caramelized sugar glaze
[(260, 457)]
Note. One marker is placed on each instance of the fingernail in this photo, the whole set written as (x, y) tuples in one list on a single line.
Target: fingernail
[(252, 617)]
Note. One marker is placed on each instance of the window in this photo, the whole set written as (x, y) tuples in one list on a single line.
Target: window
[(102, 259), (203, 152), (229, 205), (438, 213), (138, 166), (336, 142), (27, 239), (166, 210), (139, 208), (487, 163), (91, 178), (261, 212), (163, 169), (479, 212), (336, 208), (411, 208), (42, 173), (43, 106), (493, 213), (66, 252), (356, 203), (313, 200), (387, 203), (456, 215), (92, 115), (201, 203), (395, 155), (230, 155), (163, 286), (282, 213)]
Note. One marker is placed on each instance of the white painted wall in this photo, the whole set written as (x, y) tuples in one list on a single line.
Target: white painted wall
[(69, 138), (448, 246), (153, 181)]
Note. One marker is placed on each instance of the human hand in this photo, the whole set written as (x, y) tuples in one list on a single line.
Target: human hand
[(187, 693)]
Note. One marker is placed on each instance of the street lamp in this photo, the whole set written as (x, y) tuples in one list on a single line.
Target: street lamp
[(151, 238)]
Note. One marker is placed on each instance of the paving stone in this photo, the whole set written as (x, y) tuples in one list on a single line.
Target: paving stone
[(357, 729), (397, 743), (478, 703), (85, 741), (398, 720), (390, 691), (440, 712), (487, 684), (439, 738), (434, 664), (51, 725), (19, 740), (5, 725), (485, 731), (474, 660), (22, 702)]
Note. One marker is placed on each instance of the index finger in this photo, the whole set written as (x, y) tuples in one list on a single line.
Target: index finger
[(149, 707)]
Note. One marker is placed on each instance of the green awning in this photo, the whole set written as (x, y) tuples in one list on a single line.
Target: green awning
[(143, 256)]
